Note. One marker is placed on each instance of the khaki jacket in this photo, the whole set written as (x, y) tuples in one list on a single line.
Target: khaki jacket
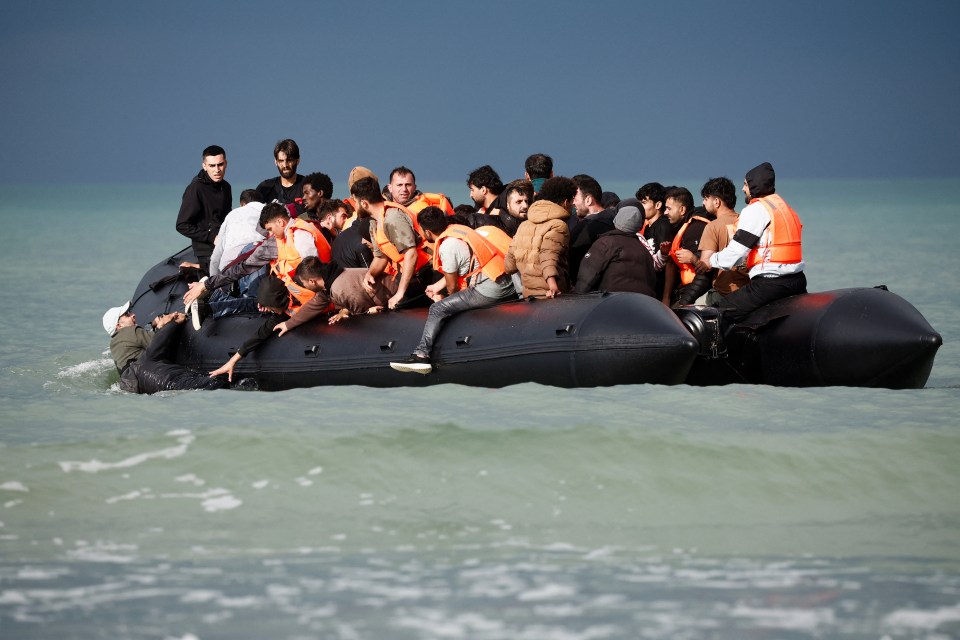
[(539, 248)]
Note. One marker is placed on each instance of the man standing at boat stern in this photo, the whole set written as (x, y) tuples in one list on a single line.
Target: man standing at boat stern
[(768, 239), (206, 202)]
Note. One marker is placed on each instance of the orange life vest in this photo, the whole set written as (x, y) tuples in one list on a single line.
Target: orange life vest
[(687, 272), (783, 234), (388, 249), (488, 244), (288, 258), (425, 200)]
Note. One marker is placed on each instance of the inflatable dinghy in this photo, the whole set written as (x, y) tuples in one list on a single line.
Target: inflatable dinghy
[(850, 337)]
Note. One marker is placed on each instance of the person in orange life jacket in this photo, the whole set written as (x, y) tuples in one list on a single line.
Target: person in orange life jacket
[(539, 248), (402, 189), (689, 222), (317, 189), (719, 199), (398, 247), (619, 260), (287, 188), (473, 277), (655, 231), (339, 293), (593, 220), (206, 202), (295, 240), (485, 187), (274, 299), (538, 168), (768, 238)]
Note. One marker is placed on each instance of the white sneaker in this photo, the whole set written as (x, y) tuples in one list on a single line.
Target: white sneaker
[(413, 364)]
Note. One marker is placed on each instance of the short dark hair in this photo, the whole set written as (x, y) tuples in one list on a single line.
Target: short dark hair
[(330, 207), (310, 267), (485, 176), (432, 219), (289, 148), (320, 182), (214, 150), (464, 209), (250, 195), (681, 195), (402, 170), (558, 189), (722, 188), (521, 186), (272, 211), (588, 186), (539, 165), (367, 189), (653, 190)]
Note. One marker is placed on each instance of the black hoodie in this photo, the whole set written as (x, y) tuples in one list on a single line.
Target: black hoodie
[(760, 180), (205, 204)]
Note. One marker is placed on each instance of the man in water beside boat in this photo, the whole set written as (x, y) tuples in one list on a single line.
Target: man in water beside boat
[(206, 202), (471, 261), (145, 359)]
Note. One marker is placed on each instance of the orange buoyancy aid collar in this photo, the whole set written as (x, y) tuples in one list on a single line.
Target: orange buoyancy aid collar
[(288, 257), (390, 250), (783, 235), (687, 272), (488, 244), (425, 200)]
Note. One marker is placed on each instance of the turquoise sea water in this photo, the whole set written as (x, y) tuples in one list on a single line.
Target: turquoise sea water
[(455, 512)]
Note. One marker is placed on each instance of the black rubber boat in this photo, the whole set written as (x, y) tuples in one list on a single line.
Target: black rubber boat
[(851, 337)]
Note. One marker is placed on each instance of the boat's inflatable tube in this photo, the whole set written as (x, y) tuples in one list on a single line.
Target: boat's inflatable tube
[(572, 341), (849, 337)]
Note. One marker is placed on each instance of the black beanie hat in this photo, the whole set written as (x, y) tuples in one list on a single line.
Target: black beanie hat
[(761, 180)]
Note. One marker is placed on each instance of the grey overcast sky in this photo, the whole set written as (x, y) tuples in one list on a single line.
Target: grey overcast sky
[(131, 92)]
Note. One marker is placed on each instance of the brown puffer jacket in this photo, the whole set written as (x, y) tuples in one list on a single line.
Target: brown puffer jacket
[(539, 248)]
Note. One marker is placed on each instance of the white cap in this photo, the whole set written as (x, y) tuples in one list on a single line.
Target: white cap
[(112, 317)]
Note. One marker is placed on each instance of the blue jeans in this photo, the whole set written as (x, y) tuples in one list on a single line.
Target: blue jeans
[(461, 301), (223, 304)]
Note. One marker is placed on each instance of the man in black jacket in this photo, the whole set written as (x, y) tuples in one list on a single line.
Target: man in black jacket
[(206, 202), (619, 260)]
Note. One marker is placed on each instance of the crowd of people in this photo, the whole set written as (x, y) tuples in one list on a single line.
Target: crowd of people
[(294, 253)]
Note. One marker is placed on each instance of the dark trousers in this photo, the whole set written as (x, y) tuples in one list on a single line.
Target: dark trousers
[(760, 291), (461, 301)]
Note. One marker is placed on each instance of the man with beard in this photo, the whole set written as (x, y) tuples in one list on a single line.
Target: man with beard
[(402, 189), (593, 220), (485, 187), (206, 202), (286, 188)]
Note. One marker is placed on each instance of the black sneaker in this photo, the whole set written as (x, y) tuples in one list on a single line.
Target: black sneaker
[(414, 364)]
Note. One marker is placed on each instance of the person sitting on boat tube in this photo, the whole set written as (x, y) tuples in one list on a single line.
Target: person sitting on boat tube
[(296, 240), (274, 299), (398, 246), (145, 359), (768, 238), (471, 261), (339, 292)]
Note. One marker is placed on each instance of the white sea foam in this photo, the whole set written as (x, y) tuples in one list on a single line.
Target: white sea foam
[(793, 619), (78, 370), (315, 471), (260, 484), (13, 485), (95, 466), (548, 592), (221, 503), (923, 619), (192, 479)]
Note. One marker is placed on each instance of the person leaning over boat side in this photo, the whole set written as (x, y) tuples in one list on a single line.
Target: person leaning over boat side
[(539, 249), (274, 300), (398, 246), (296, 239), (144, 359), (339, 292), (287, 188), (206, 202), (593, 220), (719, 199), (690, 223), (619, 260), (768, 237), (471, 261), (402, 189)]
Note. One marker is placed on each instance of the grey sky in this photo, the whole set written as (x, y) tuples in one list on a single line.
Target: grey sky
[(131, 92)]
